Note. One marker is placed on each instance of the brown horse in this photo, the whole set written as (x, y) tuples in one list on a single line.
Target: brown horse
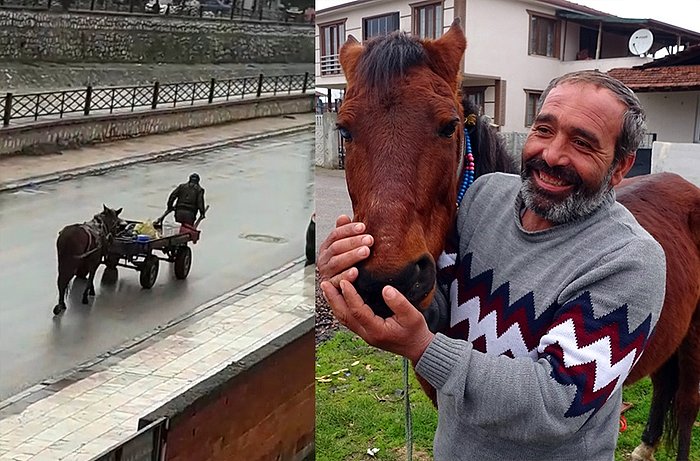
[(80, 248), (401, 120)]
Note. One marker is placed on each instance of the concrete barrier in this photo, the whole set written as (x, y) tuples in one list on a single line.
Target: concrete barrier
[(53, 135), (679, 158), (326, 141), (258, 408)]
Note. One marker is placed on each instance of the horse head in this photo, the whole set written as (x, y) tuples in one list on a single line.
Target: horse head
[(110, 219), (402, 124)]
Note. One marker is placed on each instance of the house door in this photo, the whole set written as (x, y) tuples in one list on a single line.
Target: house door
[(642, 164)]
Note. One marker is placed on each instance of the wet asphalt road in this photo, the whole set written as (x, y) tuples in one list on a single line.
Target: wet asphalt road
[(331, 187), (261, 198)]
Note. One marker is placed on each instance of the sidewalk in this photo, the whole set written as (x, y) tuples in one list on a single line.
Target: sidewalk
[(22, 171), (77, 419), (98, 404)]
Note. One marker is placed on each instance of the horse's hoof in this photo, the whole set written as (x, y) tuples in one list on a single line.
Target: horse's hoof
[(85, 300), (58, 309), (643, 452)]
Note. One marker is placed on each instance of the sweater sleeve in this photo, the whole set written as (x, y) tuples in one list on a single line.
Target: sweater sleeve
[(603, 322)]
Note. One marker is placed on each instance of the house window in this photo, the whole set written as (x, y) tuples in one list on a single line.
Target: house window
[(427, 20), (380, 25), (531, 106), (332, 38), (476, 95), (544, 36)]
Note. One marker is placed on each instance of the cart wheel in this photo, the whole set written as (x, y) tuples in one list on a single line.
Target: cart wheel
[(183, 262), (149, 272)]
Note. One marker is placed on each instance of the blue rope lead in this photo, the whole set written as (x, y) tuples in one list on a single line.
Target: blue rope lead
[(409, 422)]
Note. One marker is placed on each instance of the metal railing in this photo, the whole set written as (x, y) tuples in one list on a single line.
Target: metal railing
[(330, 64), (146, 445), (98, 101), (214, 9)]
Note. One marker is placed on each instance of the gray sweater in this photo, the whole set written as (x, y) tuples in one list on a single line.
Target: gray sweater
[(541, 329)]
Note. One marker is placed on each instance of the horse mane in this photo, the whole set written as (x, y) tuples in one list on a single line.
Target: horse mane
[(388, 57), (489, 147)]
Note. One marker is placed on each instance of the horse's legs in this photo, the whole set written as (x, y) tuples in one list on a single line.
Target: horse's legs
[(90, 287), (665, 383), (688, 395), (64, 277)]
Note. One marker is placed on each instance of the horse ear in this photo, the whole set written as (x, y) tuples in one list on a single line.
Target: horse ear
[(118, 211), (445, 54), (104, 208), (349, 55)]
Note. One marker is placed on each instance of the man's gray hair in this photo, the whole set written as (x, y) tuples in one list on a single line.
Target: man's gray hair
[(634, 120)]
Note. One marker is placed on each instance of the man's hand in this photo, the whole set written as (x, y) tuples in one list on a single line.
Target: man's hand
[(405, 333), (344, 247)]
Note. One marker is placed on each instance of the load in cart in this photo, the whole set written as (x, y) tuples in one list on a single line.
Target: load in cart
[(142, 245)]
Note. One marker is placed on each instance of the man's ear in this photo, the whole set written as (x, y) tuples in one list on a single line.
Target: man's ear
[(622, 168)]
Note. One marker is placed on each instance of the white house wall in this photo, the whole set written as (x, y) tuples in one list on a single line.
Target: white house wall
[(497, 33), (353, 26), (671, 115)]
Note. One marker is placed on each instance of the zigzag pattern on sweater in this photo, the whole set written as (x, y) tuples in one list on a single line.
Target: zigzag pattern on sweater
[(593, 354)]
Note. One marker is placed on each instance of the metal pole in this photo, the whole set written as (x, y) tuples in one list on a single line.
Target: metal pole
[(306, 81), (212, 83), (63, 99), (260, 81), (88, 100), (154, 100), (8, 110), (111, 101)]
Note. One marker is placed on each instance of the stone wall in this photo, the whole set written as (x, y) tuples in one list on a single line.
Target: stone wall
[(18, 77), (119, 38), (55, 134), (261, 408)]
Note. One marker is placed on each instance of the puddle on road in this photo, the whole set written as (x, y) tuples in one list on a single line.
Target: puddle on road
[(263, 238)]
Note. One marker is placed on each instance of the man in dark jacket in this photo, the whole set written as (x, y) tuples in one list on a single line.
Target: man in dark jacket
[(186, 200)]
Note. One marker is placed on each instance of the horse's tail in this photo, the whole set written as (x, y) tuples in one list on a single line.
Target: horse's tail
[(670, 374)]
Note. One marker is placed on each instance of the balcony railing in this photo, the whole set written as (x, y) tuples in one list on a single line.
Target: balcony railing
[(330, 65)]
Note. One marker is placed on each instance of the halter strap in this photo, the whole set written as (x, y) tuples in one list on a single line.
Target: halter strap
[(466, 167)]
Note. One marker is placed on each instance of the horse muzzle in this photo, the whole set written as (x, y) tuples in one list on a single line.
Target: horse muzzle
[(415, 281)]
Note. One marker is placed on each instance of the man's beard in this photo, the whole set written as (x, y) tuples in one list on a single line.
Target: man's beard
[(582, 201)]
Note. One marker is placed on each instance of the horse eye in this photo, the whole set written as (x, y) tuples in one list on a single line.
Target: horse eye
[(448, 130), (345, 133)]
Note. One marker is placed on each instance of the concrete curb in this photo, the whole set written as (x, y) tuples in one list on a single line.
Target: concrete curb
[(144, 158), (134, 342)]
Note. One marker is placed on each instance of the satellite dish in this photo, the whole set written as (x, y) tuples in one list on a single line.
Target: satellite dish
[(641, 41)]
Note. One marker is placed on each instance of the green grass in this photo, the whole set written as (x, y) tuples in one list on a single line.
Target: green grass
[(361, 407)]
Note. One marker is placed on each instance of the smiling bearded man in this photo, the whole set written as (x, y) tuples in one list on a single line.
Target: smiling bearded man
[(547, 301)]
